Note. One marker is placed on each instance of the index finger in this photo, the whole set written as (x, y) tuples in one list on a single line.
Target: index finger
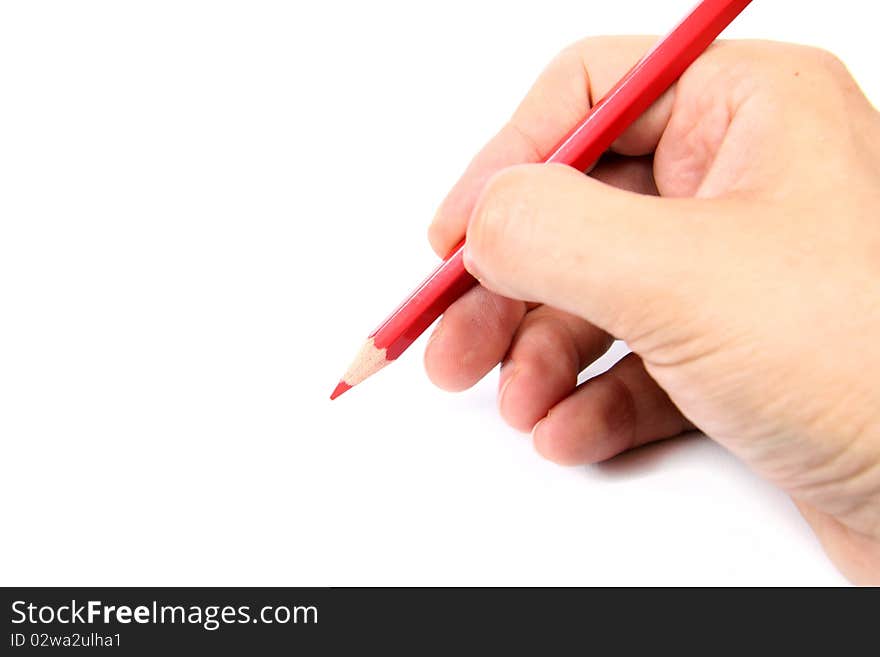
[(579, 76)]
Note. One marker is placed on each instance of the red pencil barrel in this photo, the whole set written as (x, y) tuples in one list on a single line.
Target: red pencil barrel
[(430, 299)]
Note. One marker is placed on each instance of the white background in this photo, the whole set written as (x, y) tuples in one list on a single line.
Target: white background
[(204, 209)]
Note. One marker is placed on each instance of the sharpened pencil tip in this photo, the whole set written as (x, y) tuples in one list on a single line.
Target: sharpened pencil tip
[(341, 387)]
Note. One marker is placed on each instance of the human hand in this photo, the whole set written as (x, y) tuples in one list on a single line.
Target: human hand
[(749, 291)]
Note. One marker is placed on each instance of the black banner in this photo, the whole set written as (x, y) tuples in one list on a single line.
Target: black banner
[(135, 621)]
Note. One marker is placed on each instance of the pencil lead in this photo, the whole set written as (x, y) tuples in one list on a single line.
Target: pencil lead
[(341, 387)]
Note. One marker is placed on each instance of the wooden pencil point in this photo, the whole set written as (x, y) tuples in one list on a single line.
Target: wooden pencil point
[(370, 359)]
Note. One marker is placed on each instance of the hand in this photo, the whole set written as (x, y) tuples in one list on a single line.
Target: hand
[(732, 239)]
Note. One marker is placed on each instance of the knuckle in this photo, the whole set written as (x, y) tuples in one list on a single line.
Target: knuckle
[(591, 47), (829, 63), (820, 65), (577, 50), (773, 61), (571, 52), (780, 74)]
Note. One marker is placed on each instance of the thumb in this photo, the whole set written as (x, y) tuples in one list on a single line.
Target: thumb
[(626, 262)]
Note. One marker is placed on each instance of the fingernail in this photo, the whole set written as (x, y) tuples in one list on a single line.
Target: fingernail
[(469, 263), (508, 370), (535, 428)]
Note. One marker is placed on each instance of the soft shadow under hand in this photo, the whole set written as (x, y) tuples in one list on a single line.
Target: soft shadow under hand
[(647, 458)]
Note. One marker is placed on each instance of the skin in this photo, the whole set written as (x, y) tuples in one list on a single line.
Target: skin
[(731, 238)]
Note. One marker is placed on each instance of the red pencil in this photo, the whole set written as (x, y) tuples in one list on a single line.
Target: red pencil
[(605, 122)]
